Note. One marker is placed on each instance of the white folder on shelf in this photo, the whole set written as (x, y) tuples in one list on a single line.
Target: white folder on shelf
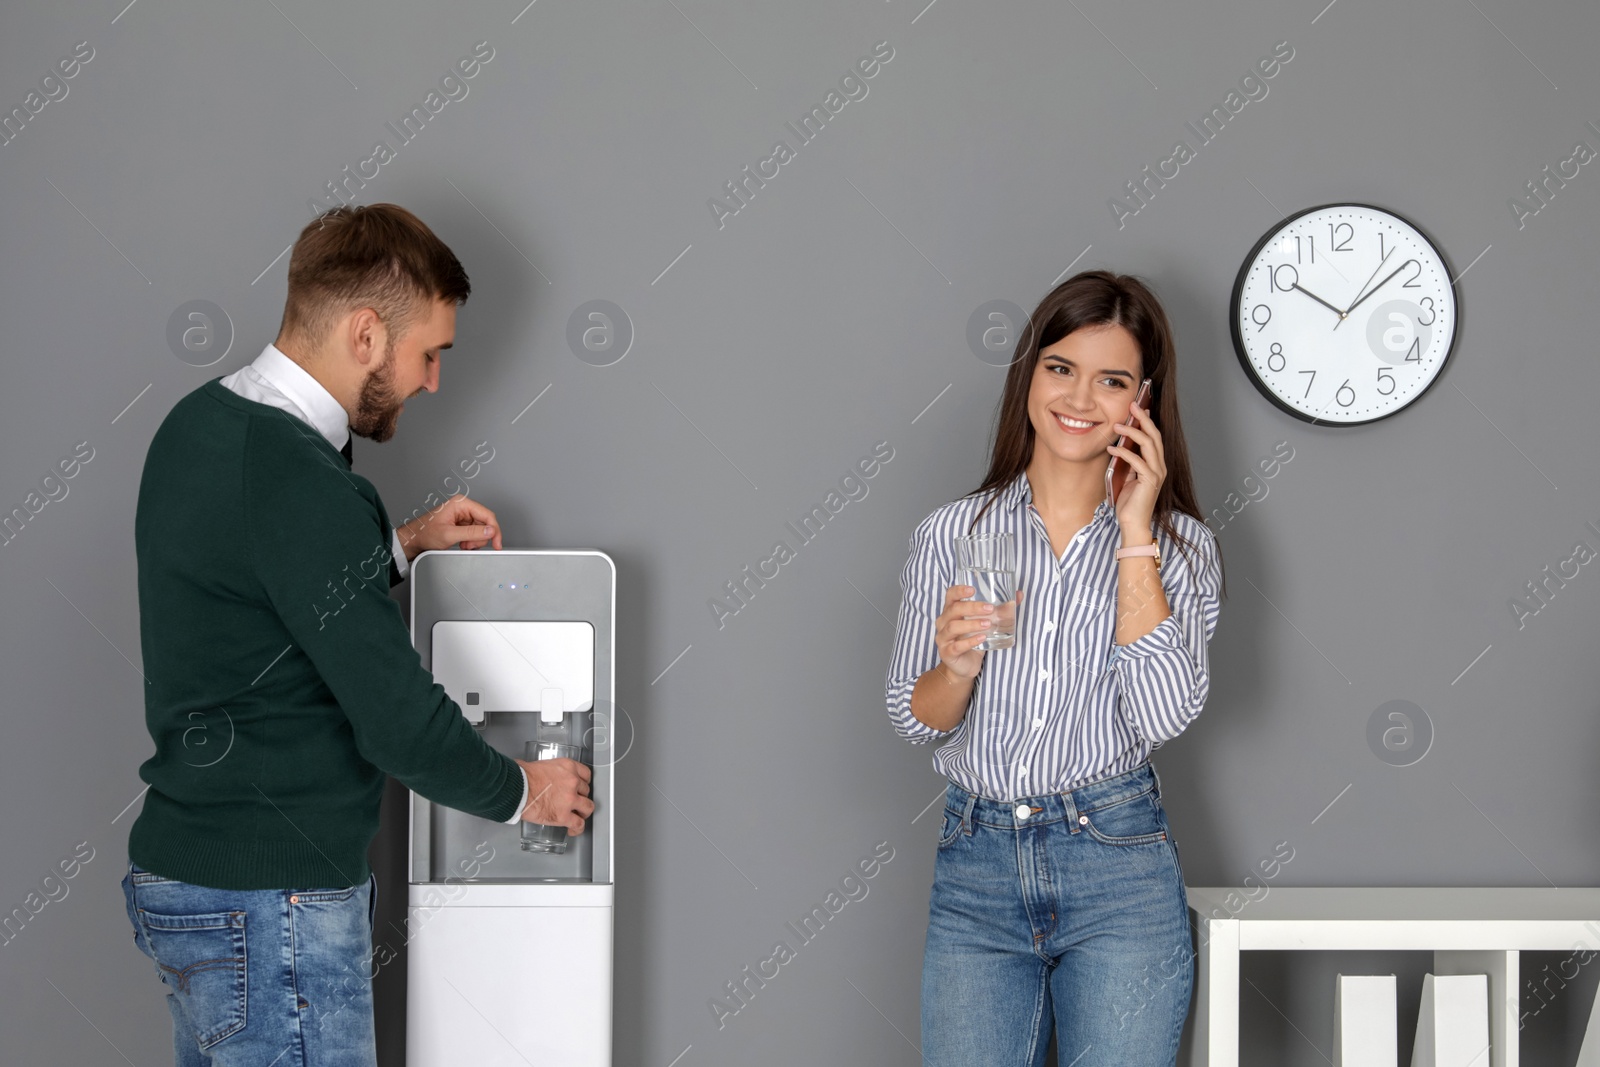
[(1364, 1030), (1453, 1022), (1589, 1054)]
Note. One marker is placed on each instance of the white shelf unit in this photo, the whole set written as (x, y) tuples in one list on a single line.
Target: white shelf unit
[(1468, 930)]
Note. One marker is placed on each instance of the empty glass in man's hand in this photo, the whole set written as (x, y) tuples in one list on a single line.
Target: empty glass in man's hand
[(537, 837), (988, 563)]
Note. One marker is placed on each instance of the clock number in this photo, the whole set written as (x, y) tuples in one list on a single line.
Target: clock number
[(1311, 243), (1345, 388), (1413, 283), (1256, 318), (1385, 376), (1294, 278), (1275, 354), (1428, 302), (1310, 383), (1333, 238), (1402, 336)]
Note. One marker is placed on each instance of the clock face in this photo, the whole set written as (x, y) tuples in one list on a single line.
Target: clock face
[(1344, 314)]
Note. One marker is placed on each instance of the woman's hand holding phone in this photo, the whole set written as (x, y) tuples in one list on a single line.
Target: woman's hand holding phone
[(1136, 504), (960, 628)]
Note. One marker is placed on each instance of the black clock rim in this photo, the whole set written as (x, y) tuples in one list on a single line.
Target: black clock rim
[(1238, 290)]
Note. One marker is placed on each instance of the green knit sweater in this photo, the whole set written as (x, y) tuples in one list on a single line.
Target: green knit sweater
[(281, 680)]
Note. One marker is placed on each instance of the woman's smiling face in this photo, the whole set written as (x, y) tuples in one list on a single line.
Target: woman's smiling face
[(1083, 383)]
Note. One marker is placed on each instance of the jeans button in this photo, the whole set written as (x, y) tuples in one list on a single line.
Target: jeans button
[(1023, 811), (1083, 820), (295, 899)]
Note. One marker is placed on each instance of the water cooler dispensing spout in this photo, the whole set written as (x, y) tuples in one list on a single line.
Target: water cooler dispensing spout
[(552, 742)]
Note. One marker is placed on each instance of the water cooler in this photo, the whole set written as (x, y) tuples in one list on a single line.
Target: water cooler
[(509, 950)]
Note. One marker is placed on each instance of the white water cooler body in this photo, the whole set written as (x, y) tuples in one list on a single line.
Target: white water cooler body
[(509, 951)]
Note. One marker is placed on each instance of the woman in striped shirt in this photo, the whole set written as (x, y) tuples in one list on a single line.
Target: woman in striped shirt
[(1058, 899)]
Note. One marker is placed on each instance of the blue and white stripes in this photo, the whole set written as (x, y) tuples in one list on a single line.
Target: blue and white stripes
[(1065, 705)]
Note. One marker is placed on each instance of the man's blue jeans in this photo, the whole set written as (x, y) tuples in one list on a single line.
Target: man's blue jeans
[(1072, 913), (260, 977)]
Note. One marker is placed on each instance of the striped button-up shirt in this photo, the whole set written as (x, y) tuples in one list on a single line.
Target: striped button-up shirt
[(1065, 705)]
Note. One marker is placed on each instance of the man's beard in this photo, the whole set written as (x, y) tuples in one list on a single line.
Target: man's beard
[(378, 405)]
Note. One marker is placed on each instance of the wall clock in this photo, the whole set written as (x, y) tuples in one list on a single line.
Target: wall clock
[(1344, 314)]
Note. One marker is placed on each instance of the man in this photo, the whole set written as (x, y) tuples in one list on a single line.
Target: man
[(282, 684)]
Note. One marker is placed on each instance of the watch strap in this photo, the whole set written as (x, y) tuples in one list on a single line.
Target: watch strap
[(1142, 550)]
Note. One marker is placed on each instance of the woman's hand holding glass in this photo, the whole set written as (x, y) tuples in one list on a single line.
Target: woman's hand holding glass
[(963, 625)]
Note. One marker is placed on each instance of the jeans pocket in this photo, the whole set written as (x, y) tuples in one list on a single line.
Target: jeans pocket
[(202, 960), (1135, 821), (951, 829)]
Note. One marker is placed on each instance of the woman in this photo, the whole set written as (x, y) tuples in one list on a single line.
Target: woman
[(1057, 894)]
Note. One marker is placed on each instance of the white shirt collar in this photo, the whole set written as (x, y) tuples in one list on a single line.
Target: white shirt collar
[(273, 378)]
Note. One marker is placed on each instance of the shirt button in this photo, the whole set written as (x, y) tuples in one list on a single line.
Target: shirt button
[(1037, 723), (1044, 672), (1079, 539), (1049, 624), (1022, 811)]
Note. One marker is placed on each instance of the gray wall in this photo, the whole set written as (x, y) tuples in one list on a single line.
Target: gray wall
[(778, 349)]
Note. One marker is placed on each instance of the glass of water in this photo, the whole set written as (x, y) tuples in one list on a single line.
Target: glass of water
[(536, 837), (988, 563)]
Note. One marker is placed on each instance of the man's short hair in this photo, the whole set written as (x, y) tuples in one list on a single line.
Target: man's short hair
[(379, 256)]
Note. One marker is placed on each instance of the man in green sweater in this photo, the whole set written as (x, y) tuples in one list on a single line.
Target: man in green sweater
[(282, 683)]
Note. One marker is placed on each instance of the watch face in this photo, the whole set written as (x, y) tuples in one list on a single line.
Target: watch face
[(1344, 314)]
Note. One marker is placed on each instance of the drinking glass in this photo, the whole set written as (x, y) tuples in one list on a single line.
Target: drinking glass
[(988, 563), (536, 837)]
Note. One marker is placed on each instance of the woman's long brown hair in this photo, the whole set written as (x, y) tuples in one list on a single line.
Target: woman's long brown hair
[(1098, 298)]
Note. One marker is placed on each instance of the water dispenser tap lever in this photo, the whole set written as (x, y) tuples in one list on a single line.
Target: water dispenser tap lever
[(550, 709)]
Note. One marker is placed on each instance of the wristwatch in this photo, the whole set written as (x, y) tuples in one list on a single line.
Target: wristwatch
[(1142, 550)]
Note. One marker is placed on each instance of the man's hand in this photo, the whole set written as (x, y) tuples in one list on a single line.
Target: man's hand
[(558, 793), (458, 521)]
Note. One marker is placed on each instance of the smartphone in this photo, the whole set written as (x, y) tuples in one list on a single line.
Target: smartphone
[(1117, 469)]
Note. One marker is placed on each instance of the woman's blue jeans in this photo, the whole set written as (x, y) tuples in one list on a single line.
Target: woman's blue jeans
[(1067, 910), (259, 977)]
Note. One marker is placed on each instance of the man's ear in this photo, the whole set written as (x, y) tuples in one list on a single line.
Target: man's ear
[(366, 334)]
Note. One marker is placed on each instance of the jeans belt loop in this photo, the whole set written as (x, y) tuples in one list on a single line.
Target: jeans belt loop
[(966, 813), (1071, 812)]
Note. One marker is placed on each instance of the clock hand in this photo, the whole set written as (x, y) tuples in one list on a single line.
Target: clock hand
[(1361, 293), (1317, 298), (1374, 289), (1371, 276)]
